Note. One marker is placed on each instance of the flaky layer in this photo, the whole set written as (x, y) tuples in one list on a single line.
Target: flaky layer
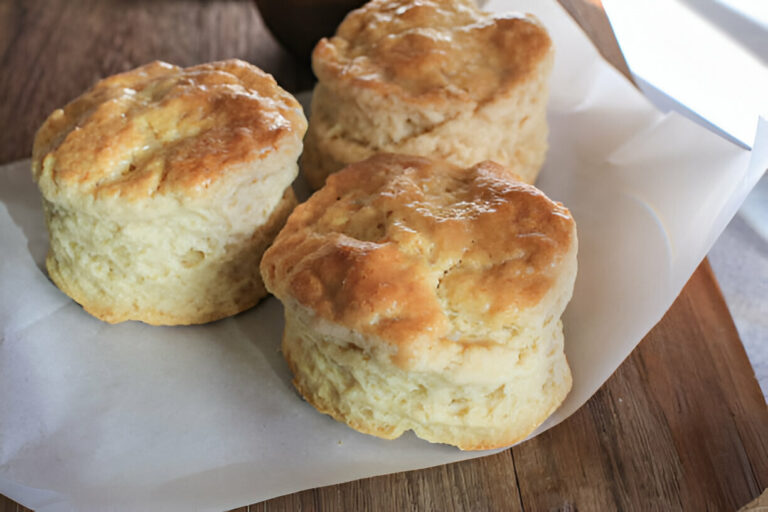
[(511, 130), (181, 270), (362, 388)]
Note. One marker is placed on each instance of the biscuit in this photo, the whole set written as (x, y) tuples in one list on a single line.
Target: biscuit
[(163, 186), (438, 78), (425, 296)]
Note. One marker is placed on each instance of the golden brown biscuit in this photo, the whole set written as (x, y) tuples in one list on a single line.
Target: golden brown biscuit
[(425, 296), (163, 186), (438, 78)]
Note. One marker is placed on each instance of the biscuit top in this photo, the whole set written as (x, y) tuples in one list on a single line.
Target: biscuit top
[(431, 50), (161, 129), (414, 251)]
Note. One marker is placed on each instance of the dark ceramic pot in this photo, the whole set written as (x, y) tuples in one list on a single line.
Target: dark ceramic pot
[(300, 24)]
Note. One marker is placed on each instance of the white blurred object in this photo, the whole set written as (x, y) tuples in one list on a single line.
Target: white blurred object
[(756, 10), (707, 59), (755, 208)]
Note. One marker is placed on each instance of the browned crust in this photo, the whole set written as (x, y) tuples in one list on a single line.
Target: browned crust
[(390, 243), (161, 129), (431, 51)]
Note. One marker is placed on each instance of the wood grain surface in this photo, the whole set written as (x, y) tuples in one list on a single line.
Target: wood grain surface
[(681, 425)]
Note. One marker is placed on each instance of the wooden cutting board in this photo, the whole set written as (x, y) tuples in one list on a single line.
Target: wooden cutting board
[(681, 425)]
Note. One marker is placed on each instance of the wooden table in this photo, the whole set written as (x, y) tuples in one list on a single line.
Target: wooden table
[(682, 424)]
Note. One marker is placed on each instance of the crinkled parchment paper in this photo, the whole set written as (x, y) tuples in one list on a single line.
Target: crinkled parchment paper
[(132, 417)]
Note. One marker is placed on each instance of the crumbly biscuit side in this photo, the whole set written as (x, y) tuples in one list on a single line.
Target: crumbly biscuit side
[(183, 280), (511, 130), (354, 386)]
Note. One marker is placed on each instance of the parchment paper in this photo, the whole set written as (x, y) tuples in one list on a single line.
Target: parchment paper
[(707, 59), (132, 417)]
